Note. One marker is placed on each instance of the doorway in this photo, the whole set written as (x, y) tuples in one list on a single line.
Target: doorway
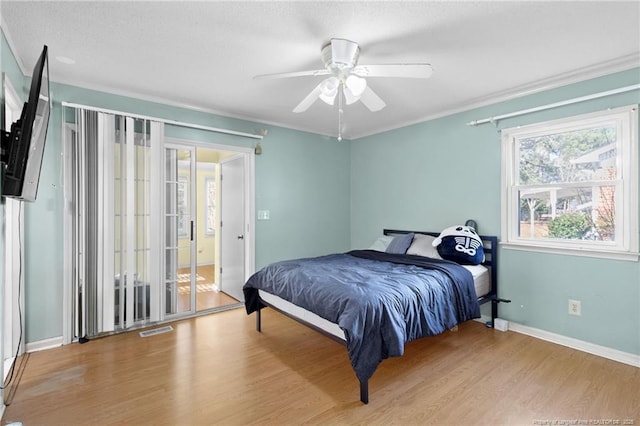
[(144, 220), (196, 252)]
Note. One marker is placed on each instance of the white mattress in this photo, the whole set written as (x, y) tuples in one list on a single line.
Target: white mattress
[(481, 281), (481, 278)]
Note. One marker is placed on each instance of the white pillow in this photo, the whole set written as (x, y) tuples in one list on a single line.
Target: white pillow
[(422, 245), (381, 243)]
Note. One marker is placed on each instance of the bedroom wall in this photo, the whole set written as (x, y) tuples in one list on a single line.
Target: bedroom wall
[(441, 172), (302, 178)]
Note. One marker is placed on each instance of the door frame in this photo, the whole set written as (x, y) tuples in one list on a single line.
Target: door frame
[(249, 153), (249, 201)]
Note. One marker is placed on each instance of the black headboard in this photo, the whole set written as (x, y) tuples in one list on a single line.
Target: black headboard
[(490, 246)]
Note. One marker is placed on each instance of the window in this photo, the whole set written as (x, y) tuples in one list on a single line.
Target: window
[(210, 205), (571, 185), (183, 202)]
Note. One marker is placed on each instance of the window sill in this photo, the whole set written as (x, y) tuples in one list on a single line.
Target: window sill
[(585, 252)]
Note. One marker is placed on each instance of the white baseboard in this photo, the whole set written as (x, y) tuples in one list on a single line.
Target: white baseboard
[(41, 345), (581, 345)]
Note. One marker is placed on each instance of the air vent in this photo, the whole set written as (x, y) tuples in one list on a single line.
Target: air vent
[(155, 331)]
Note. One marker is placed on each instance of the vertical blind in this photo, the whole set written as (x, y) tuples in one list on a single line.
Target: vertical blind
[(116, 222)]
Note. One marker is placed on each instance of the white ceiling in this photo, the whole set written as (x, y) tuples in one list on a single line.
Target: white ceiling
[(204, 54)]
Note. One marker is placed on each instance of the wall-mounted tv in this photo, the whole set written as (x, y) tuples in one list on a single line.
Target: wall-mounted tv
[(23, 145)]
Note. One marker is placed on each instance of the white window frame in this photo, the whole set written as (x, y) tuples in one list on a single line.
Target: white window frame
[(626, 245)]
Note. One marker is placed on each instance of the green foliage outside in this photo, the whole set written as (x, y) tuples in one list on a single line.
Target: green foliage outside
[(548, 159), (570, 226)]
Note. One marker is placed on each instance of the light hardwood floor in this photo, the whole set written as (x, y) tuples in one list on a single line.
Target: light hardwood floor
[(217, 369), (206, 296)]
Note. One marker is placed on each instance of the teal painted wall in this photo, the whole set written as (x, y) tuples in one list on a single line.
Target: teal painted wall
[(441, 172), (304, 181), (9, 66)]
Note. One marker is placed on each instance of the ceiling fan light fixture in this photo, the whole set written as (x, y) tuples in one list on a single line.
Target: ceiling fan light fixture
[(356, 85), (328, 90), (346, 79), (328, 98), (349, 98)]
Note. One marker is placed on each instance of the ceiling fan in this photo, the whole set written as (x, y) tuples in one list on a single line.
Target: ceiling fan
[(348, 79)]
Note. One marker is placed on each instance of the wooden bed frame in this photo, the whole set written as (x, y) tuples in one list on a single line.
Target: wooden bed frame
[(490, 245)]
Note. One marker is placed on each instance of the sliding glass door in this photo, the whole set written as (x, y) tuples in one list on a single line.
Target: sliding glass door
[(136, 206), (180, 229)]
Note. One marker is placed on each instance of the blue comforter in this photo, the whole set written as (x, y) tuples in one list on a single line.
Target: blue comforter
[(380, 300)]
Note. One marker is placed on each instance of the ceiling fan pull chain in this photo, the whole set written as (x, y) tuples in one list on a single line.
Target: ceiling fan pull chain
[(341, 89)]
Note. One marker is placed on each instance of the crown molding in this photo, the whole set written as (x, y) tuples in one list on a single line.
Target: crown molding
[(623, 63)]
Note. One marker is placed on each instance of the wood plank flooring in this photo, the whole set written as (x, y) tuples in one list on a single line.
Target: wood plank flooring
[(217, 369), (206, 296)]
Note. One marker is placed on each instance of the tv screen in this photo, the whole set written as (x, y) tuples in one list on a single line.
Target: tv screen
[(24, 146)]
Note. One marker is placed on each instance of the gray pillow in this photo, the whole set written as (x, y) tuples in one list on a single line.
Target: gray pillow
[(382, 243), (422, 245), (400, 244)]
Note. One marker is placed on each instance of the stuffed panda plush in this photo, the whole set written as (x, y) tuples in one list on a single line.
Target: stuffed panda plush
[(460, 244)]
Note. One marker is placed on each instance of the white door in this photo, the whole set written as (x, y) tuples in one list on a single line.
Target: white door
[(232, 226)]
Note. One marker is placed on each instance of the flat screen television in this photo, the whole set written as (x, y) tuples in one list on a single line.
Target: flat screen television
[(23, 145)]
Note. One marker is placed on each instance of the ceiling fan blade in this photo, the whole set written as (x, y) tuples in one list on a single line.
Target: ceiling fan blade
[(371, 100), (394, 70), (293, 74), (309, 99)]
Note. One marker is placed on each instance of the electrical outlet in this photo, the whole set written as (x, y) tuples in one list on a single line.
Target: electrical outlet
[(575, 307)]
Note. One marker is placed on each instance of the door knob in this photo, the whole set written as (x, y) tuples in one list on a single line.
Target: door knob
[(241, 237)]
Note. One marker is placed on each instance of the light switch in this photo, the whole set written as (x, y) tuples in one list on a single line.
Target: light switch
[(263, 214)]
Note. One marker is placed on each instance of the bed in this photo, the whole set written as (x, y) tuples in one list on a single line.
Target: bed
[(375, 302)]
